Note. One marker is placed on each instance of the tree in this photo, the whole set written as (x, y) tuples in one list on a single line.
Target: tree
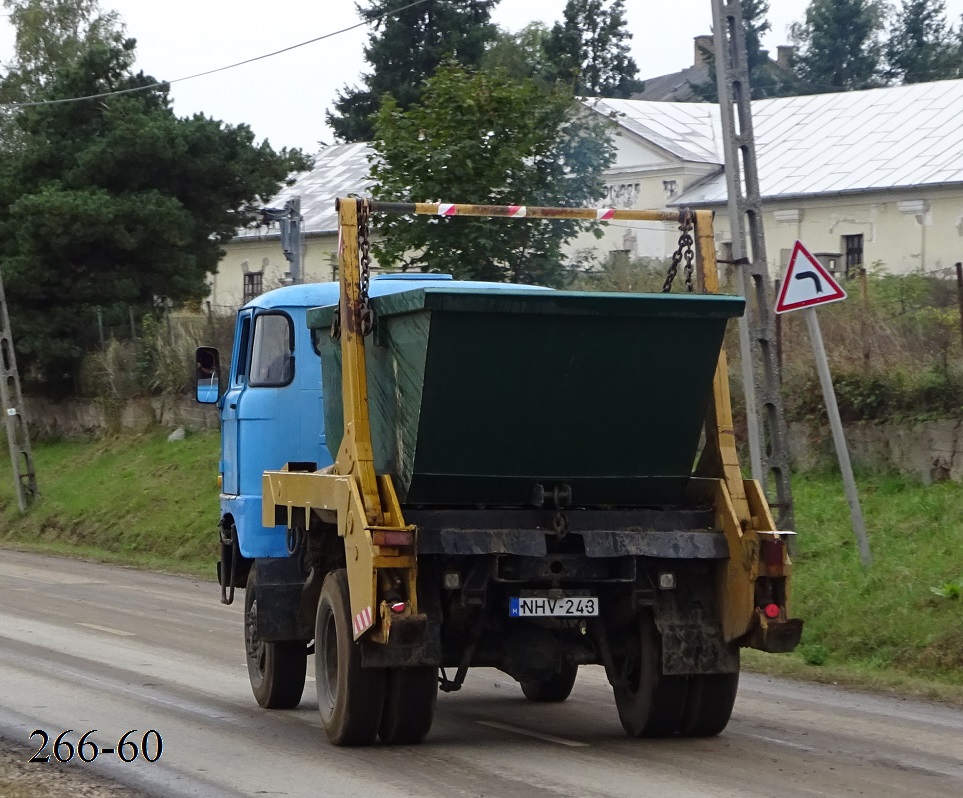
[(404, 49), (839, 46), (591, 49), (521, 55), (485, 138), (49, 33), (922, 45), (116, 201)]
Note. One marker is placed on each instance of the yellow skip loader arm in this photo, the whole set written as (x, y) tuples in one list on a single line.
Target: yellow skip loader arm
[(381, 549)]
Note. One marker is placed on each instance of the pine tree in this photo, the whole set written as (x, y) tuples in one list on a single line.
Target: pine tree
[(922, 45), (591, 49), (404, 50), (839, 46)]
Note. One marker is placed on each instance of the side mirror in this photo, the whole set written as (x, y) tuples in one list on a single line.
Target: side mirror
[(208, 367)]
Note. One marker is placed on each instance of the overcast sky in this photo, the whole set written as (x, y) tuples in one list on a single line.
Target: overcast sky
[(284, 98)]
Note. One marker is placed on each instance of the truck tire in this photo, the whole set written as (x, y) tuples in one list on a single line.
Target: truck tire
[(276, 669), (554, 689), (650, 704), (409, 708), (709, 704), (350, 698)]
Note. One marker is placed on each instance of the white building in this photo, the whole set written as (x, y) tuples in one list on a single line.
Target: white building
[(862, 178)]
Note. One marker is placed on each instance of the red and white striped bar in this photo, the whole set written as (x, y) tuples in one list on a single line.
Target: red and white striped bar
[(523, 211)]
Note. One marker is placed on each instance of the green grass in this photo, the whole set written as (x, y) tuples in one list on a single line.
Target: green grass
[(136, 500), (153, 504)]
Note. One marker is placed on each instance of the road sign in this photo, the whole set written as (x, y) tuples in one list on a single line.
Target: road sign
[(807, 283)]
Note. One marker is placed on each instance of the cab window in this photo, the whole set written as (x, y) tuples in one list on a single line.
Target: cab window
[(272, 354)]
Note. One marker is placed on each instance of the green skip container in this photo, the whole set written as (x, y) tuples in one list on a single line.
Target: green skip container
[(490, 397)]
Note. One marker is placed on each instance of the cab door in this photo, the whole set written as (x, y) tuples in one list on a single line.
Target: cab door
[(237, 381)]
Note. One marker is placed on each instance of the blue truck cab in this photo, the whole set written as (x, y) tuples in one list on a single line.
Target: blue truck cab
[(271, 406)]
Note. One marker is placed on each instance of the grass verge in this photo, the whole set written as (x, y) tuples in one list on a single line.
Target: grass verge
[(138, 500), (146, 502)]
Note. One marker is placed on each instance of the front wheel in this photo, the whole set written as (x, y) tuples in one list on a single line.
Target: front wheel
[(277, 668), (554, 689), (350, 698)]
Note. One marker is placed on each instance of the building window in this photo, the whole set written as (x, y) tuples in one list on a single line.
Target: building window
[(253, 286), (853, 247)]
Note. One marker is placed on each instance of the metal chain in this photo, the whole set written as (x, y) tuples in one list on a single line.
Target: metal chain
[(364, 244), (684, 251)]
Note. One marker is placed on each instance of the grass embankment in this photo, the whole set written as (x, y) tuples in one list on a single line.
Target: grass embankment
[(137, 500), (150, 503)]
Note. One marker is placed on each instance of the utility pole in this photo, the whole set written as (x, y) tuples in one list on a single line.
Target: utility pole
[(18, 438), (292, 233), (768, 435)]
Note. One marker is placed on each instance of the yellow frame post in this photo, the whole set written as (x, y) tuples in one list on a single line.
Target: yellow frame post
[(355, 457)]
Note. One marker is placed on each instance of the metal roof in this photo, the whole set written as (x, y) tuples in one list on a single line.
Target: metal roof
[(875, 140), (900, 137), (339, 170), (689, 131)]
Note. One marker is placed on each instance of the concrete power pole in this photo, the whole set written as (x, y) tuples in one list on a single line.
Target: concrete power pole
[(18, 438), (768, 435)]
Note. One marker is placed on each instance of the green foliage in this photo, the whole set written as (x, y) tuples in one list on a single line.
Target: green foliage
[(485, 138), (404, 50), (814, 654), (921, 45), (883, 617), (48, 34), (590, 49), (839, 45), (894, 354), (949, 590), (116, 202), (521, 55), (101, 498)]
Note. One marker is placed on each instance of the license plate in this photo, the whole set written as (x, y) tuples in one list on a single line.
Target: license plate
[(542, 607)]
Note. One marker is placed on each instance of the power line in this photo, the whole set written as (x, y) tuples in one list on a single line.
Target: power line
[(213, 71)]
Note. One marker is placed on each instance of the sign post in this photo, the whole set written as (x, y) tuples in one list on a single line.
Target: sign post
[(806, 286)]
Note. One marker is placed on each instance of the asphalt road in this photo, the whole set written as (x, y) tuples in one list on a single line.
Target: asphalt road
[(85, 646)]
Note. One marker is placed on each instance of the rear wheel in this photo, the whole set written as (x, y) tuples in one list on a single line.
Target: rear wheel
[(409, 705), (709, 703), (277, 668), (555, 688), (650, 704), (350, 698)]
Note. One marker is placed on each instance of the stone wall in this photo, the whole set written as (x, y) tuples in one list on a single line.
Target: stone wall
[(80, 418), (931, 451)]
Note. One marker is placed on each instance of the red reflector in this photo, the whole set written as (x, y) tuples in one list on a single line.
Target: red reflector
[(401, 538), (399, 606), (772, 611)]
